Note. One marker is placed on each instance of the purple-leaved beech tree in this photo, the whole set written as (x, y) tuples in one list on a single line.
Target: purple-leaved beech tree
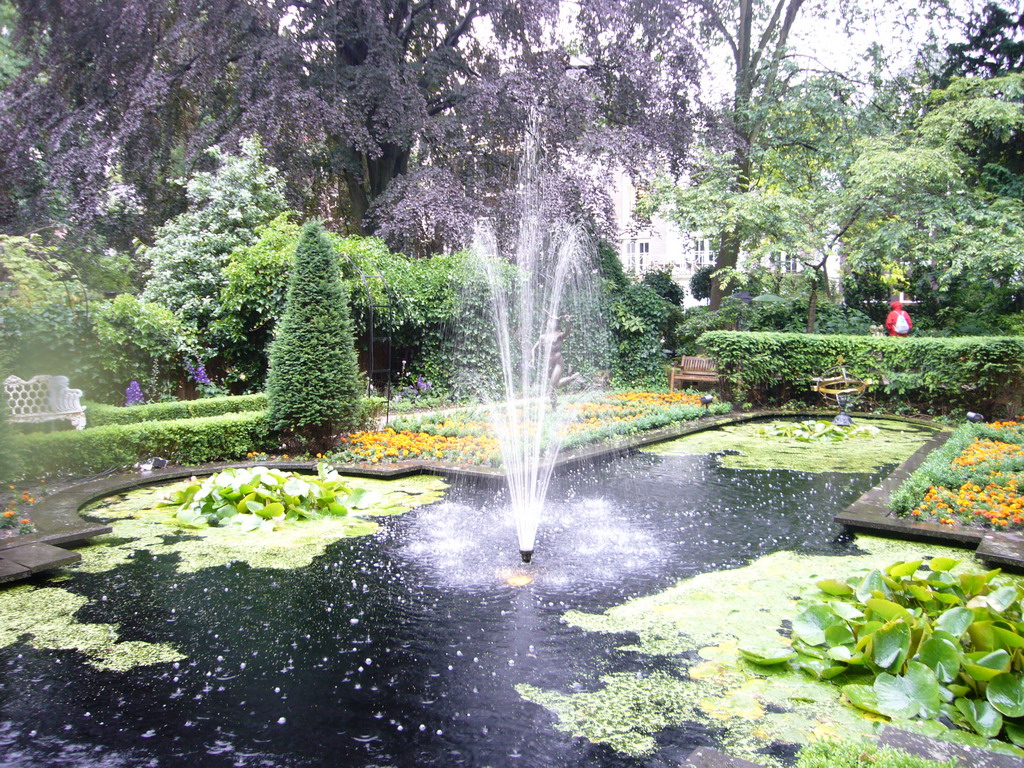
[(390, 116)]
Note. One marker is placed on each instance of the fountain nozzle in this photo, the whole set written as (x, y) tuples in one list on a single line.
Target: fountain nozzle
[(526, 554)]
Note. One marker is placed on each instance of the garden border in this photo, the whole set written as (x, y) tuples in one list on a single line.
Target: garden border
[(871, 514), (59, 523)]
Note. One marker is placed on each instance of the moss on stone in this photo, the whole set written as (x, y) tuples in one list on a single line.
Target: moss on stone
[(139, 526), (45, 618), (893, 444), (713, 614)]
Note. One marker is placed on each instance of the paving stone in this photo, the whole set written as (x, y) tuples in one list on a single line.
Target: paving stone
[(10, 570), (1003, 549), (705, 757), (40, 557), (941, 751)]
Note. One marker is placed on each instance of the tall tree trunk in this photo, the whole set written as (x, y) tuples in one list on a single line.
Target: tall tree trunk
[(812, 305), (729, 245)]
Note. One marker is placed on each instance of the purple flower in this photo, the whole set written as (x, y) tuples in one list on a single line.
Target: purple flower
[(197, 372), (133, 395)]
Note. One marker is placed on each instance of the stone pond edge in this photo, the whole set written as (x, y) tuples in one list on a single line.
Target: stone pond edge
[(59, 523)]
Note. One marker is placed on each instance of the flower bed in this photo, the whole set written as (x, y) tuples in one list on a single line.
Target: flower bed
[(465, 436), (976, 480), (15, 519)]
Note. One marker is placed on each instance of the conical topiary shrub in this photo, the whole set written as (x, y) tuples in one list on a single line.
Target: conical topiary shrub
[(314, 386)]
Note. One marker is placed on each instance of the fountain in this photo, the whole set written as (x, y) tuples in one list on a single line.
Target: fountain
[(535, 306)]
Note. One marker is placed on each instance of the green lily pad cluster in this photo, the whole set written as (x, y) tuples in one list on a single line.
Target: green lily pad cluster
[(262, 498), (928, 643), (811, 431)]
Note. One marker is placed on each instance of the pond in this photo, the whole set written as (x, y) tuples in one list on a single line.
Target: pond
[(426, 642)]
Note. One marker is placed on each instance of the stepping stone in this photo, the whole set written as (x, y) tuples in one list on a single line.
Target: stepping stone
[(38, 557), (934, 749), (10, 570), (1004, 549), (705, 757)]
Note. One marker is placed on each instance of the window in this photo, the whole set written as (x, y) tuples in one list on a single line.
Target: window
[(783, 262), (705, 256), (631, 256), (643, 252)]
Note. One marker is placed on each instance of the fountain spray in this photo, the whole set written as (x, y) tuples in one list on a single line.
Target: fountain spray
[(542, 285)]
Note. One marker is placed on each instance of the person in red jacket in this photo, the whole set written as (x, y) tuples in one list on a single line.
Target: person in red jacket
[(898, 323)]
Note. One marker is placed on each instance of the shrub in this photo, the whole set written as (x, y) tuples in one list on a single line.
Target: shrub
[(640, 319), (185, 441), (314, 387), (933, 374), (142, 341), (224, 208), (102, 415)]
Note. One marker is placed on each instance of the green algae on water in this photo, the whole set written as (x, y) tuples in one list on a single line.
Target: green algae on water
[(747, 449), (697, 627), (45, 619), (140, 526)]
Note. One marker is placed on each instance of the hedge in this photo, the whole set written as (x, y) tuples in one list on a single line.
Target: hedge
[(980, 373), (185, 441), (98, 415)]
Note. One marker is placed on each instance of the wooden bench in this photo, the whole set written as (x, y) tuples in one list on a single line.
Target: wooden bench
[(693, 369), (43, 398)]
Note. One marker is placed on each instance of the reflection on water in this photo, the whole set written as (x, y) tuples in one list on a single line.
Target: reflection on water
[(404, 648)]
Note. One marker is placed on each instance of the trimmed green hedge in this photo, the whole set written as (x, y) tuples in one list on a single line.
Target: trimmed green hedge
[(99, 415), (185, 441), (981, 373)]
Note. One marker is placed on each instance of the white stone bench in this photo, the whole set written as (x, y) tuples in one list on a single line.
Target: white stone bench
[(43, 398)]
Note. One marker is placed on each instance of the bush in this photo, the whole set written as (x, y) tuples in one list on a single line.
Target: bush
[(931, 374), (185, 441), (313, 386), (139, 340), (640, 320), (102, 415)]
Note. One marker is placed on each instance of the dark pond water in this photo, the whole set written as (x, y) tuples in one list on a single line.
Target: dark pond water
[(403, 649)]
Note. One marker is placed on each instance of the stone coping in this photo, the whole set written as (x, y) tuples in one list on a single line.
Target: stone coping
[(58, 521)]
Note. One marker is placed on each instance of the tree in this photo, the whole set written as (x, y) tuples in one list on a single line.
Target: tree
[(314, 387), (942, 206), (700, 283), (994, 46), (403, 118), (757, 33), (225, 207)]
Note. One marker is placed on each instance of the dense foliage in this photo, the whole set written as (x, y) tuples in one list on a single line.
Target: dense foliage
[(388, 116), (974, 373), (102, 415), (119, 446), (267, 499), (918, 640), (314, 384), (224, 209)]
